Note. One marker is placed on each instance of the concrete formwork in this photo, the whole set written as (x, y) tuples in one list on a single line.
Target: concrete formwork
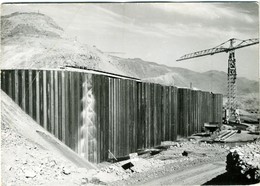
[(94, 114)]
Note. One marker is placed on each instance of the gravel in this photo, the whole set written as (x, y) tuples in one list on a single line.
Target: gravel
[(26, 163)]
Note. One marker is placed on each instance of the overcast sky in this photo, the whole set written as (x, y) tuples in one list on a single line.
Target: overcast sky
[(160, 32)]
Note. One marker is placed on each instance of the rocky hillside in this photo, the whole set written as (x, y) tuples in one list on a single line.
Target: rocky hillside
[(214, 81), (29, 24), (33, 40)]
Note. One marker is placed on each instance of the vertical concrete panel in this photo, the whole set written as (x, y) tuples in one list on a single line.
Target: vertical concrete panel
[(111, 122), (3, 80), (73, 104), (84, 127), (120, 123), (163, 113), (175, 113), (88, 129), (16, 87), (38, 96), (116, 102), (169, 118), (102, 111), (77, 111), (23, 89), (106, 119), (10, 84), (30, 93), (67, 108), (34, 103), (52, 103), (184, 104), (147, 116), (139, 101), (127, 116), (48, 101), (63, 107), (143, 115), (151, 113), (44, 99), (81, 113), (56, 105), (27, 102), (96, 127)]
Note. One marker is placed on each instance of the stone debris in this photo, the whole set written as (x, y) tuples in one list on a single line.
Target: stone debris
[(172, 156), (245, 161), (185, 153), (25, 163), (29, 174), (84, 181), (133, 155), (66, 171)]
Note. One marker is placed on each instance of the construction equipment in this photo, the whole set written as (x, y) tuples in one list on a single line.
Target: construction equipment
[(229, 47)]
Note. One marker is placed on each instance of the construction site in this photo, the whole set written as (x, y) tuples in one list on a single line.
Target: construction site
[(74, 115)]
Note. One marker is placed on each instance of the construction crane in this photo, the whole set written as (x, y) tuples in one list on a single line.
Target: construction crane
[(229, 47)]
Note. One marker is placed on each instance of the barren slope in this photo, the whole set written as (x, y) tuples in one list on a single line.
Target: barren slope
[(213, 81), (32, 40), (12, 116)]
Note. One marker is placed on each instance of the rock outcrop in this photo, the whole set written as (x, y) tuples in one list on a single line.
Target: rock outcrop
[(245, 161)]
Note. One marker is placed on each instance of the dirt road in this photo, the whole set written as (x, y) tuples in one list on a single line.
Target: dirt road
[(197, 175)]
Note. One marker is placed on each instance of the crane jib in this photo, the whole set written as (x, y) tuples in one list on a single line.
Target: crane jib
[(219, 49)]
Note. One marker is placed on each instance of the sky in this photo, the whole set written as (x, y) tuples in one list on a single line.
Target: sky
[(160, 32)]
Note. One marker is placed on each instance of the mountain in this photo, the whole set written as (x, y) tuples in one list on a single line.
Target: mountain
[(34, 40), (214, 81), (29, 24)]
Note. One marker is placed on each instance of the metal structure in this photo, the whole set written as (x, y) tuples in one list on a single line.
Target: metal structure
[(229, 47)]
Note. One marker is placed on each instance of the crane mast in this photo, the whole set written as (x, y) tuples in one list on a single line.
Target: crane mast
[(232, 74)]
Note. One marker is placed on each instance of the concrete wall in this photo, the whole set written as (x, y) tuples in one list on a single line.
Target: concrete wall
[(93, 113)]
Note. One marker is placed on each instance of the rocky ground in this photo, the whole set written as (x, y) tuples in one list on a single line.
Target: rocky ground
[(26, 163), (179, 156), (245, 161)]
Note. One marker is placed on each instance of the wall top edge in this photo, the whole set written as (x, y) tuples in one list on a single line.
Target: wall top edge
[(68, 69), (93, 72)]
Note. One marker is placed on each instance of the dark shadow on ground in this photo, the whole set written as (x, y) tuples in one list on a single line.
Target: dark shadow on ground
[(229, 179)]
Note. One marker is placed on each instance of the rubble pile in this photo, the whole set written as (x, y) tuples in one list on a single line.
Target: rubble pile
[(245, 161), (115, 172), (27, 163)]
